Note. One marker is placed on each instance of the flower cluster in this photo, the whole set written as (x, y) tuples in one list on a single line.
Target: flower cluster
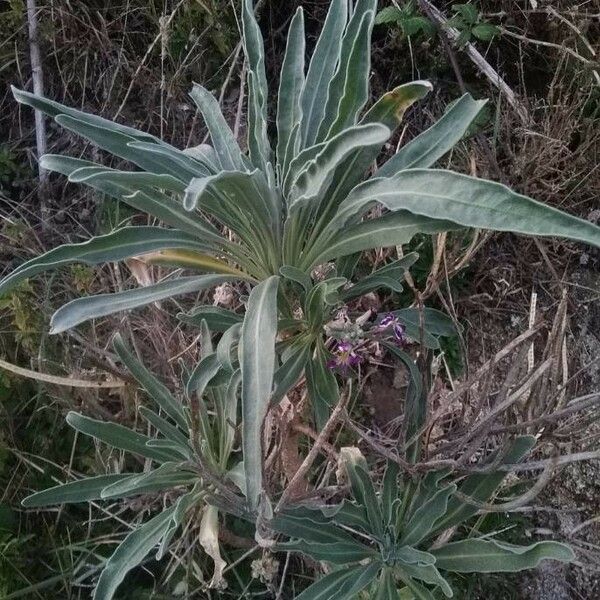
[(352, 345)]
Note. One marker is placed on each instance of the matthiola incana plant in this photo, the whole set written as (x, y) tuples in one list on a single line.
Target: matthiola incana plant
[(270, 218)]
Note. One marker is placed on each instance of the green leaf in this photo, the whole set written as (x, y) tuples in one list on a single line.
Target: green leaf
[(338, 553), (290, 89), (467, 11), (202, 374), (131, 552), (343, 584), (169, 475), (119, 437), (228, 340), (393, 229), (390, 492), (320, 71), (133, 179), (154, 388), (311, 527), (82, 490), (418, 591), (225, 145), (480, 486), (389, 14), (485, 32), (288, 374), (428, 574), (467, 201), (218, 319), (389, 276), (298, 276), (258, 332), (425, 516), (83, 309), (491, 556), (435, 324), (322, 386), (258, 141), (319, 172), (172, 433), (235, 193), (386, 586), (364, 492), (148, 200), (431, 145), (119, 144), (52, 108), (117, 245), (349, 89)]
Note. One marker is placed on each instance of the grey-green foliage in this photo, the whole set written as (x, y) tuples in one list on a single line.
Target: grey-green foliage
[(289, 206), (193, 443), (384, 541)]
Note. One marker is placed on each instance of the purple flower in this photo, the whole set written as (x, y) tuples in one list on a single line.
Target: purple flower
[(344, 357), (399, 334), (390, 321)]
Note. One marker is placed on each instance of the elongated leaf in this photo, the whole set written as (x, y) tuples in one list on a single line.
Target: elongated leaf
[(131, 552), (155, 389), (119, 437), (389, 276), (320, 171), (393, 229), (428, 574), (467, 201), (431, 145), (435, 322), (190, 259), (226, 345), (425, 516), (258, 141), (52, 108), (227, 149), (172, 433), (388, 111), (322, 386), (290, 88), (320, 71), (209, 540), (491, 556), (339, 553), (480, 486), (364, 492), (202, 374), (231, 191), (119, 144), (310, 527), (131, 179), (418, 591), (218, 318), (117, 245), (150, 201), (288, 374), (343, 584), (349, 88), (386, 587), (82, 490), (165, 477), (83, 309), (175, 161), (257, 361)]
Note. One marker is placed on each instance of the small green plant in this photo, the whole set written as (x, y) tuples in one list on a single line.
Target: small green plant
[(408, 18), (192, 460), (400, 537), (467, 19)]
